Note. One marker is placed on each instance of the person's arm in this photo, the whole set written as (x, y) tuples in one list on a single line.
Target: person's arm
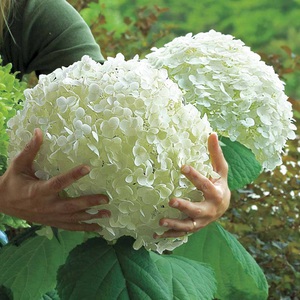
[(24, 196), (47, 35), (215, 191)]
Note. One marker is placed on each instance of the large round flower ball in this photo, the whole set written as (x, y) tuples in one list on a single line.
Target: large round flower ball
[(243, 97), (127, 121)]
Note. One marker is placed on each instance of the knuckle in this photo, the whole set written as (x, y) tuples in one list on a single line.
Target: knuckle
[(57, 183), (226, 167), (219, 199), (27, 148), (68, 207), (92, 201), (211, 214), (190, 228), (73, 218), (33, 191), (204, 186), (197, 212)]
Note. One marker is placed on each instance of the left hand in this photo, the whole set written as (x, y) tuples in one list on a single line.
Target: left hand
[(215, 191)]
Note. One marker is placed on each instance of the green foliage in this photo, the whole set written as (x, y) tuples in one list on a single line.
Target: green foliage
[(129, 35), (264, 215), (11, 96), (186, 278), (29, 269), (262, 24), (53, 295), (96, 270), (243, 167), (8, 221), (5, 294), (238, 275)]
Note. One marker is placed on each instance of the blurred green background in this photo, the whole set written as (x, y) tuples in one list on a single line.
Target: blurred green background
[(263, 215), (264, 25)]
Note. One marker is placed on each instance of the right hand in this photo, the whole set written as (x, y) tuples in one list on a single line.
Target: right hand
[(24, 196)]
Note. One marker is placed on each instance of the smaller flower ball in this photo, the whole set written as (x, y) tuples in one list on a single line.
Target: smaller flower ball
[(243, 97), (127, 121)]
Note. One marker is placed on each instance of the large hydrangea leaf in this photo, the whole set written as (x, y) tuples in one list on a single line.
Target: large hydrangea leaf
[(96, 270), (187, 279), (29, 270), (5, 294), (243, 167), (238, 275), (53, 295)]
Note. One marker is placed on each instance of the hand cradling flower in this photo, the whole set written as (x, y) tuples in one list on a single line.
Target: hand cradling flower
[(127, 121)]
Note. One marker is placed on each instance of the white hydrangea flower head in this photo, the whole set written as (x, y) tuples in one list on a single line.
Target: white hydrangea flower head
[(243, 98), (127, 121)]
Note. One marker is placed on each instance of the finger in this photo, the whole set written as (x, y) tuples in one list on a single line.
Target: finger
[(191, 209), (195, 210), (185, 225), (216, 154), (71, 205), (84, 216), (198, 180), (25, 158), (60, 182)]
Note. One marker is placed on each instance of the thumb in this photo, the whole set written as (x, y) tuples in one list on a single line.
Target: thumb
[(216, 154), (25, 158)]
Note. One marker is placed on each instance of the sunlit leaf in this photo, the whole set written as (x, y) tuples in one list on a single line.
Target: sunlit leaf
[(187, 279), (243, 167), (238, 275)]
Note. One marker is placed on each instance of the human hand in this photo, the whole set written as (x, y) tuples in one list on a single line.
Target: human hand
[(24, 196), (215, 191)]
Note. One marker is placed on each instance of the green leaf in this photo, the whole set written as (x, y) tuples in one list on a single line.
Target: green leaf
[(29, 270), (53, 295), (5, 294), (243, 167), (96, 270), (237, 273), (186, 278)]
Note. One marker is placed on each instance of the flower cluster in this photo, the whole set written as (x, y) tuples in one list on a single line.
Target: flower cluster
[(127, 121), (243, 97)]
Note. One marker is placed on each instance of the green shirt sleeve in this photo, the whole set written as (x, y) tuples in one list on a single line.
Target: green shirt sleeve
[(47, 34)]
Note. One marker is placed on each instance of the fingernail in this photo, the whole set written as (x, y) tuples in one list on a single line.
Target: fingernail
[(105, 214), (174, 204), (102, 199), (84, 170), (185, 169), (34, 136), (165, 224)]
